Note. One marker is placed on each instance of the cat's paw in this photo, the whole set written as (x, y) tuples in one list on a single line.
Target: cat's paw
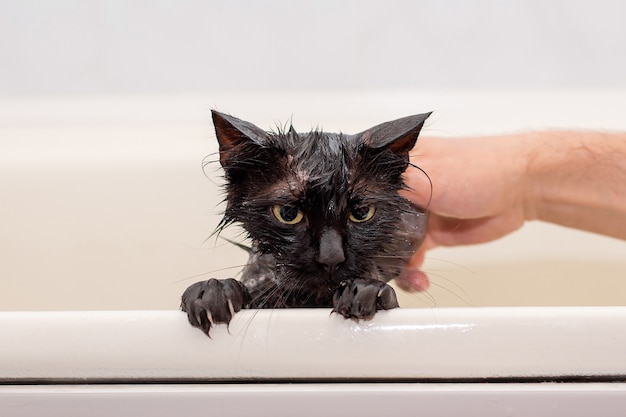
[(212, 302), (362, 298)]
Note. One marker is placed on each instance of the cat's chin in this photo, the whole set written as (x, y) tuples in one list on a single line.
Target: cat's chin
[(325, 281), (319, 280), (312, 280)]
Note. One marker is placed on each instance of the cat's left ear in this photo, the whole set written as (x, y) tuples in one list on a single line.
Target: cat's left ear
[(398, 135)]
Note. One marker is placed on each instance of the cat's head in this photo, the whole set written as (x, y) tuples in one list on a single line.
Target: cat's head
[(325, 205)]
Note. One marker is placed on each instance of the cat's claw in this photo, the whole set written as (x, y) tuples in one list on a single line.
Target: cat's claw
[(360, 299), (212, 302)]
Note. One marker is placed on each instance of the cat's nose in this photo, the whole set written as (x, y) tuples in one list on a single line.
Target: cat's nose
[(331, 254)]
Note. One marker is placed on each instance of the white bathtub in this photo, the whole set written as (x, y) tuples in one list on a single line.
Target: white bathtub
[(481, 361), (105, 207)]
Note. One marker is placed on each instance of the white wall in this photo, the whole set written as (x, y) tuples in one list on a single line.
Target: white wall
[(145, 46)]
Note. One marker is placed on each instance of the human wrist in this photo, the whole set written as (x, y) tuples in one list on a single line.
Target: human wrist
[(552, 161), (575, 179), (536, 166)]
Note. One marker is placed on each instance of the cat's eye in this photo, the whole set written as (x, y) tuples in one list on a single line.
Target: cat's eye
[(287, 214), (362, 214)]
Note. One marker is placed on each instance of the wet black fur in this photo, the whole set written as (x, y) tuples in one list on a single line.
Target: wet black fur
[(325, 175)]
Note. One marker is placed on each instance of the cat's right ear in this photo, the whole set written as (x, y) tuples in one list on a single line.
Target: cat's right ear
[(232, 132)]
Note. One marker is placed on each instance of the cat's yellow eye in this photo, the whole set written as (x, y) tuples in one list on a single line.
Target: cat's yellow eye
[(288, 214), (362, 214)]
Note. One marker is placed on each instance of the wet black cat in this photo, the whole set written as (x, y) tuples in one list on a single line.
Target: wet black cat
[(327, 225)]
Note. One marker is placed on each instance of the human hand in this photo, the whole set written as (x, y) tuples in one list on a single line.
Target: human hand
[(478, 187), (486, 187)]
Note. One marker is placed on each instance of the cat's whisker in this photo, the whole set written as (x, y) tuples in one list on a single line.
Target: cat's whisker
[(400, 255), (206, 162), (247, 325), (430, 181), (307, 295), (455, 264), (426, 295), (285, 295), (265, 295), (464, 297), (238, 267)]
